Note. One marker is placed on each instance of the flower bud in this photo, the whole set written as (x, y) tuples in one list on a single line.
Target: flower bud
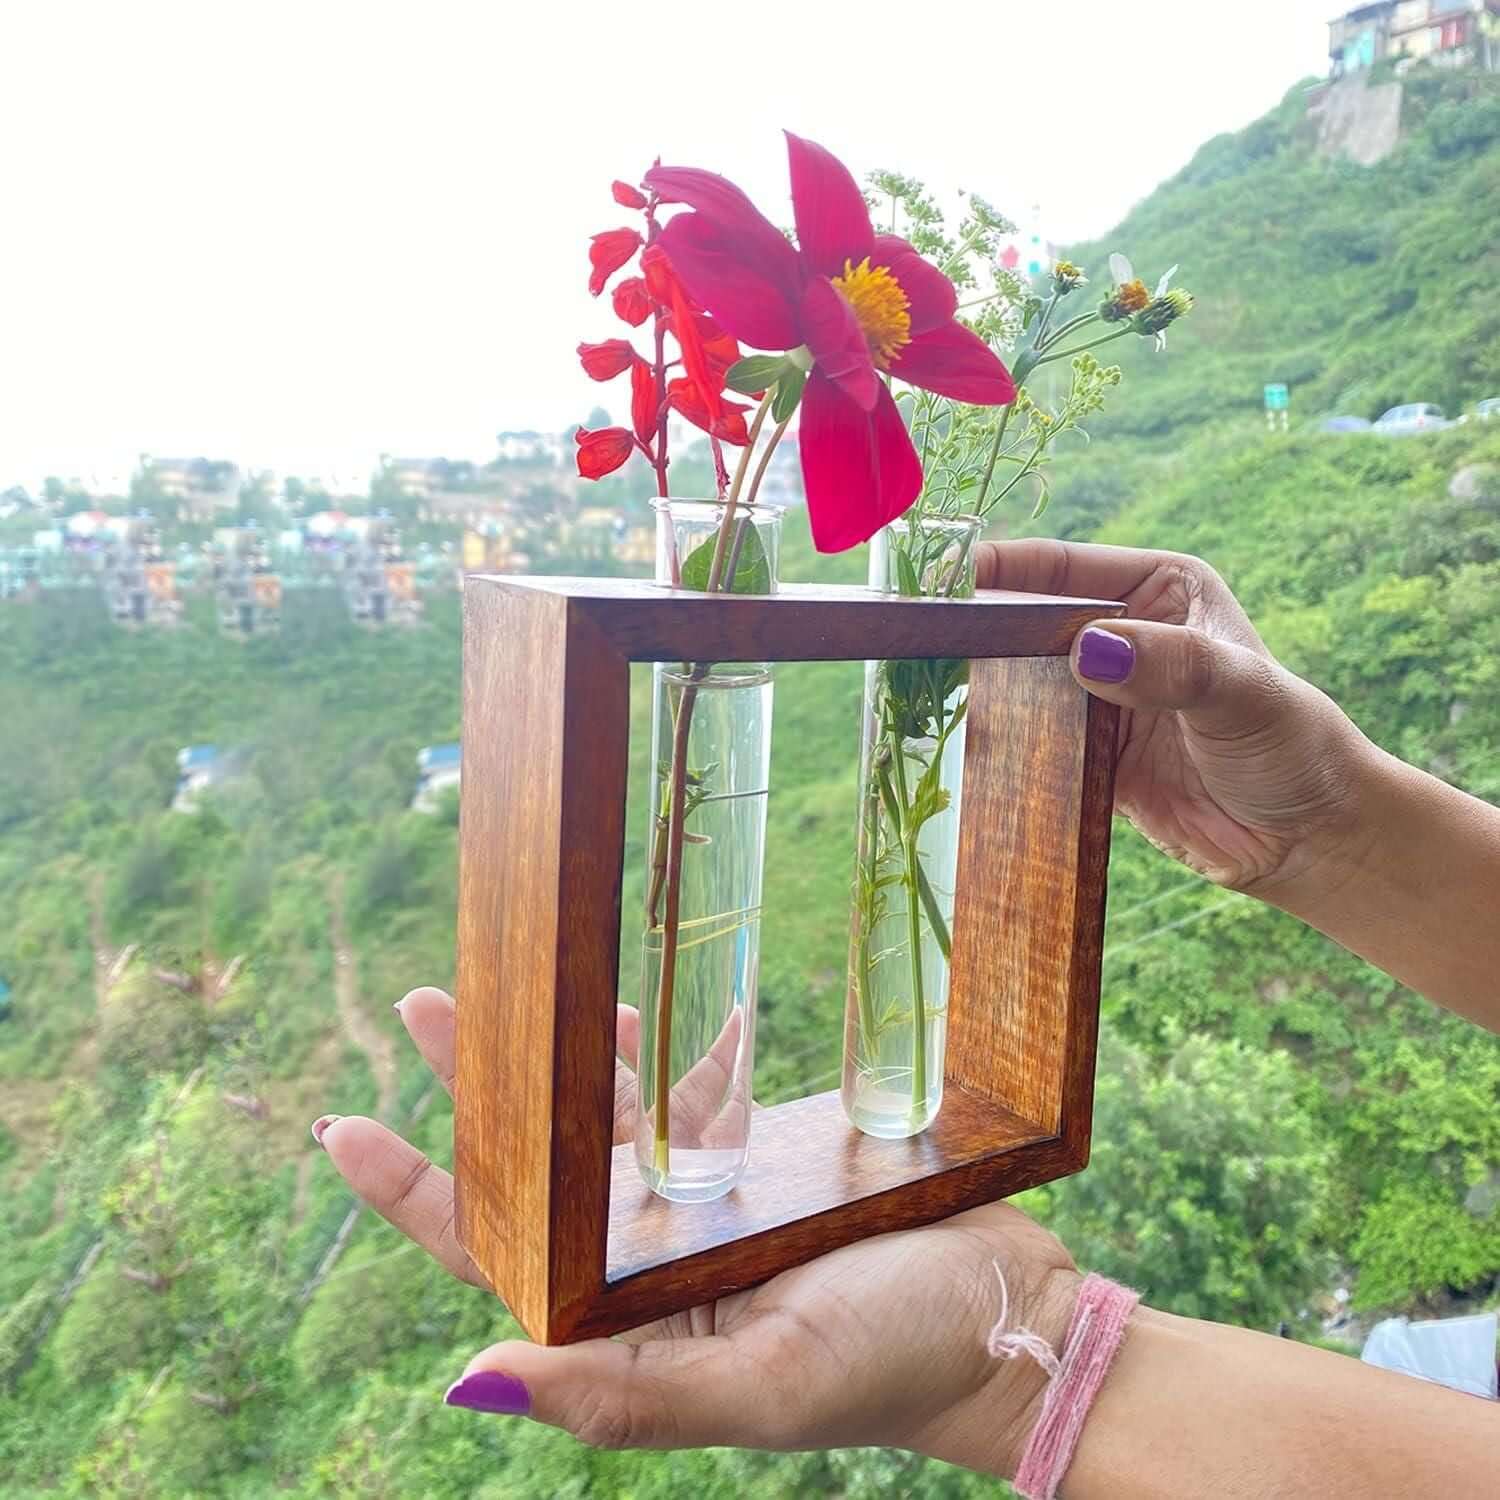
[(1126, 299), (1161, 312), (1066, 277)]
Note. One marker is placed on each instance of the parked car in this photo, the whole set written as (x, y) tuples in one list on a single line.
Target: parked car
[(1344, 424), (1409, 420), (1484, 410)]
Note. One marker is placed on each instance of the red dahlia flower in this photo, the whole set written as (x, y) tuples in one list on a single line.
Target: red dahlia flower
[(862, 304)]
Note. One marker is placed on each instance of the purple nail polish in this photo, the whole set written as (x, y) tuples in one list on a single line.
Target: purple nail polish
[(1104, 656), (492, 1391), (321, 1124)]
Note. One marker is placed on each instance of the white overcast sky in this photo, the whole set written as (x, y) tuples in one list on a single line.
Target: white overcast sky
[(301, 234)]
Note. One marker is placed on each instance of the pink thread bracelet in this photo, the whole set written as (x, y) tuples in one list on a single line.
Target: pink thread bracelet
[(1093, 1339)]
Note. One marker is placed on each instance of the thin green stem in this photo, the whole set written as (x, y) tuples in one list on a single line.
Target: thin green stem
[(1108, 338), (671, 881), (716, 570), (1041, 344), (913, 932), (869, 858), (1041, 328), (989, 468)]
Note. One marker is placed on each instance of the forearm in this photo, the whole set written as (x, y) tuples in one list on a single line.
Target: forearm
[(1194, 1409), (1416, 888), (1190, 1409)]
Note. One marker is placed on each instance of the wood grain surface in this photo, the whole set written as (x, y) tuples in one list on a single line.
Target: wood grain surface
[(805, 622), (557, 1218)]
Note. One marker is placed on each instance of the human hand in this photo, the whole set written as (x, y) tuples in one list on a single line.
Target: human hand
[(1226, 760), (882, 1342)]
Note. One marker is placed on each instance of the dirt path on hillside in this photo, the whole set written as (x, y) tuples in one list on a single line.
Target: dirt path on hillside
[(358, 1027)]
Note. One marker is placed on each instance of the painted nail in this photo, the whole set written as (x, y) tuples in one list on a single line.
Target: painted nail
[(492, 1391), (321, 1124), (1104, 656)]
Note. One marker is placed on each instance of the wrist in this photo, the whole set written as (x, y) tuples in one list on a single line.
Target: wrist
[(988, 1429), (1315, 880)]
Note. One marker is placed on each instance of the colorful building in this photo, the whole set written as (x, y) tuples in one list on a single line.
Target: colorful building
[(1449, 31)]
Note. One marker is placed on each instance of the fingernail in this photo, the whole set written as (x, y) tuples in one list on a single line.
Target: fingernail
[(397, 1006), (492, 1391), (1104, 656), (321, 1124)]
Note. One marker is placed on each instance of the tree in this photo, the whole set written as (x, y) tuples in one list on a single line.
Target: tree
[(1207, 1186)]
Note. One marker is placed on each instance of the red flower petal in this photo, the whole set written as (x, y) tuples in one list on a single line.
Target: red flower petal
[(694, 361), (833, 224), (645, 404), (720, 350), (838, 343), (859, 468), (720, 273), (605, 361), (684, 396), (632, 303), (931, 297), (740, 223), (608, 252), (955, 362), (656, 270), (602, 451), (627, 196)]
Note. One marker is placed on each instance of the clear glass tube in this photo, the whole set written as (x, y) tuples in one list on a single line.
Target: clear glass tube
[(906, 862), (710, 757)]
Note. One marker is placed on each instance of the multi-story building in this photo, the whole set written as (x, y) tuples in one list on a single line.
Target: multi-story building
[(1451, 31), (204, 488)]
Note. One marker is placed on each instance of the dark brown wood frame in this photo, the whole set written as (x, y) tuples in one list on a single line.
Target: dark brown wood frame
[(558, 1219)]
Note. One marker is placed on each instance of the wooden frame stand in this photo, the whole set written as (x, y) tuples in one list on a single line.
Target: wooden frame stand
[(557, 1218)]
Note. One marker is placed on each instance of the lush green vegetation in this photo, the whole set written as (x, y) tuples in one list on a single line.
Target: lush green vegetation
[(1274, 1118)]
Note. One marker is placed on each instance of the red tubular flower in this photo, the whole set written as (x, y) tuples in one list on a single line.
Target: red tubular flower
[(627, 196), (605, 361), (861, 303), (602, 451), (645, 407), (728, 425), (608, 252), (632, 304)]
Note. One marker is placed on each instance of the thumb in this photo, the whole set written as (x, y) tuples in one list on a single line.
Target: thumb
[(665, 1393), (1224, 689)]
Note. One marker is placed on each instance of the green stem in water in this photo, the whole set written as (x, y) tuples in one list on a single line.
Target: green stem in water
[(934, 913), (869, 854), (913, 934), (720, 578)]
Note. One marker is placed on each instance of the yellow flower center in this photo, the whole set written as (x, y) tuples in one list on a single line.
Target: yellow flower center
[(1133, 296), (880, 308)]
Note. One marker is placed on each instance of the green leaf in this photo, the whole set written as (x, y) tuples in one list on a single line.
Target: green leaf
[(756, 372), (752, 569), (906, 575), (788, 393)]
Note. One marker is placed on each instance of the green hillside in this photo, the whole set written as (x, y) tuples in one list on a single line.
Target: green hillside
[(186, 1306), (1359, 287)]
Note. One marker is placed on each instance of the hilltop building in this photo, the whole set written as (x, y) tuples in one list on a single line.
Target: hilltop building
[(138, 580), (1447, 31), (204, 488), (246, 590)]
